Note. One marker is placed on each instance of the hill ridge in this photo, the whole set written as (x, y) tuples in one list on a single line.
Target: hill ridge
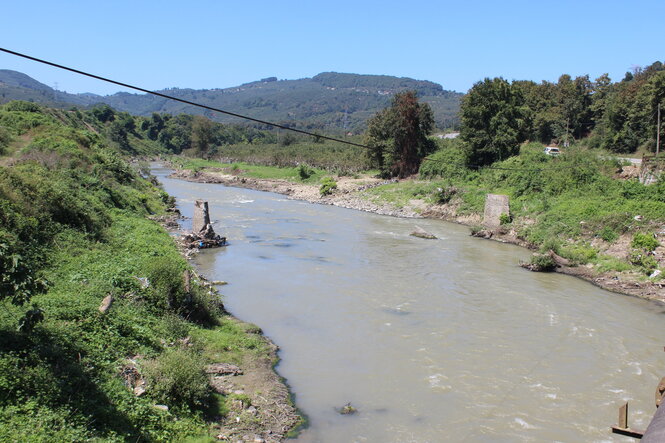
[(330, 100)]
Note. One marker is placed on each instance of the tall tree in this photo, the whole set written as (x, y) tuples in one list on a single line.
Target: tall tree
[(397, 136), (202, 132), (493, 121)]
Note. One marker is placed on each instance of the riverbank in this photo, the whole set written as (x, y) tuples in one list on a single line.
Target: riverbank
[(353, 193), (258, 401)]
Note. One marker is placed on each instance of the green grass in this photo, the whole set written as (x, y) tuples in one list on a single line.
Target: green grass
[(73, 214), (252, 171)]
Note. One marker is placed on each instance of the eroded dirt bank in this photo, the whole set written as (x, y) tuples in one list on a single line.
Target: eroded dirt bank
[(350, 195)]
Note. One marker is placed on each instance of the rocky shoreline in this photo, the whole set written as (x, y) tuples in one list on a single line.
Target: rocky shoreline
[(349, 195)]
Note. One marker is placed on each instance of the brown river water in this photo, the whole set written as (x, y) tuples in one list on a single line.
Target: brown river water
[(431, 340)]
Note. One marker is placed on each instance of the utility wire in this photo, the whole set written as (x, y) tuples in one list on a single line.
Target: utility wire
[(233, 114), (170, 97)]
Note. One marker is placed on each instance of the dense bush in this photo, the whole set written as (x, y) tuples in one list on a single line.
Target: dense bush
[(645, 242), (5, 139), (543, 263), (177, 378), (328, 185), (448, 162)]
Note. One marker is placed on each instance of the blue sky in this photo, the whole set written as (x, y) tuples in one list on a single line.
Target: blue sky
[(217, 44)]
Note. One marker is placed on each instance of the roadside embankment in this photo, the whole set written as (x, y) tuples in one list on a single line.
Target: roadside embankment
[(354, 193)]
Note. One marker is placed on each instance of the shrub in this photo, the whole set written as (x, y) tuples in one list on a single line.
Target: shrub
[(551, 244), (448, 162), (608, 234), (579, 254), (475, 229), (443, 196), (287, 139), (646, 242), (328, 185), (166, 283), (5, 139), (645, 261), (505, 219), (304, 171), (543, 262), (177, 378), (22, 106)]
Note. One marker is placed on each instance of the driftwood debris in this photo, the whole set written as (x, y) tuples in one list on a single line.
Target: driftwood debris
[(223, 369), (202, 235)]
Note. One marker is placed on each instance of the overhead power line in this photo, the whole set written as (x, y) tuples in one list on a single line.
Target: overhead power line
[(170, 97), (233, 114)]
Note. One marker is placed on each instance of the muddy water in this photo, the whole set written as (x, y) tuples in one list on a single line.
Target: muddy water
[(432, 340)]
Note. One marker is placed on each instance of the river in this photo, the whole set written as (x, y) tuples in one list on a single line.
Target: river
[(431, 340)]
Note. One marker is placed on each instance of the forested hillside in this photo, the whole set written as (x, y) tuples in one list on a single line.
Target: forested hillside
[(329, 101)]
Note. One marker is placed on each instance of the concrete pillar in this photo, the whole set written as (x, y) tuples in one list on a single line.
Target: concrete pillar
[(495, 205), (201, 216)]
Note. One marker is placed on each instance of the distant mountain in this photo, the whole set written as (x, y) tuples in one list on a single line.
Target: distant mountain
[(328, 101)]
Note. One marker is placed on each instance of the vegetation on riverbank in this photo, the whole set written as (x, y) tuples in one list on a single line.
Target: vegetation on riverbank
[(575, 204), (101, 337)]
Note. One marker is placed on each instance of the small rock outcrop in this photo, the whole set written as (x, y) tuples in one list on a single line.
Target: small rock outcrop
[(106, 304), (421, 233)]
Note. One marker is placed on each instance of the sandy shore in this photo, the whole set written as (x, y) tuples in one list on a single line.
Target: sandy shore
[(350, 195)]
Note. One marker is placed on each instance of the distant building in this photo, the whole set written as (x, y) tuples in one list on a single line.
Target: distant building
[(450, 135)]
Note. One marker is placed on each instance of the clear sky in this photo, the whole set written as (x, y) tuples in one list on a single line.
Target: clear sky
[(217, 44)]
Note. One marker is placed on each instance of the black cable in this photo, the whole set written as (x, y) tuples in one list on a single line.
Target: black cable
[(170, 97), (210, 108)]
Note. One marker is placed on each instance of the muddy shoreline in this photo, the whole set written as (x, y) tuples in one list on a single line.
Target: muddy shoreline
[(348, 195)]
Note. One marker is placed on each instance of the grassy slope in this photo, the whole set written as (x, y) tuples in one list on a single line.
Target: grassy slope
[(75, 213)]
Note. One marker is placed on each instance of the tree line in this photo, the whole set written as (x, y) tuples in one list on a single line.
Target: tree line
[(497, 115)]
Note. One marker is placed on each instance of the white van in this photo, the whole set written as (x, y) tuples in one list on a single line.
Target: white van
[(552, 150)]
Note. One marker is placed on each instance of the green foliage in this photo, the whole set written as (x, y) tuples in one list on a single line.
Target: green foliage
[(331, 156), (18, 279), (103, 113), (608, 234), (177, 378), (449, 161), (505, 219), (551, 244), (543, 262), (397, 136), (443, 196), (642, 259), (72, 213), (165, 275), (579, 254), (644, 241), (5, 139), (287, 139), (22, 106), (304, 171), (328, 185), (493, 121)]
